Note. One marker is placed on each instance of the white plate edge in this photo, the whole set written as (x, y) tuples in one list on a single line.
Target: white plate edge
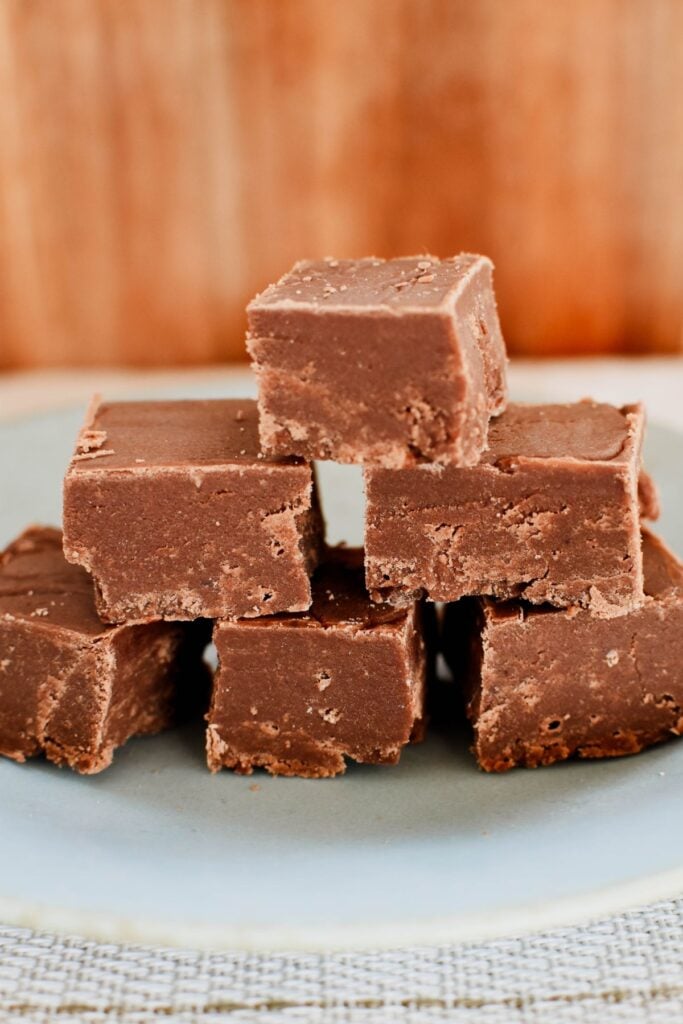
[(469, 928)]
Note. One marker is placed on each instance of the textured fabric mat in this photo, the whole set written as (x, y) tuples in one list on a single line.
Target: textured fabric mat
[(624, 969)]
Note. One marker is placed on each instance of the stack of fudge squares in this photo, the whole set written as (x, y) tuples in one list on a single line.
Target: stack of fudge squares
[(507, 536)]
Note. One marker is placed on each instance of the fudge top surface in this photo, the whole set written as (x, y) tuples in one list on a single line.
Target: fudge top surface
[(339, 599), (416, 283), (585, 431), (139, 435), (38, 584)]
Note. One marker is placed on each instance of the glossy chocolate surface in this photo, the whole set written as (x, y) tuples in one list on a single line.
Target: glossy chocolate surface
[(550, 514), (299, 694), (178, 514), (546, 684), (71, 687), (379, 362)]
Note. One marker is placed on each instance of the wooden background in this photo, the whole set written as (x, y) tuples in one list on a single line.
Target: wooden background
[(161, 160)]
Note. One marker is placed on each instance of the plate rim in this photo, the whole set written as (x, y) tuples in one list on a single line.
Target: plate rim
[(321, 939)]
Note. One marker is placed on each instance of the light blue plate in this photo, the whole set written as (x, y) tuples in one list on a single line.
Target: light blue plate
[(158, 850)]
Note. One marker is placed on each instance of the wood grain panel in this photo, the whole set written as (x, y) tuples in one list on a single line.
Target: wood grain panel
[(161, 160)]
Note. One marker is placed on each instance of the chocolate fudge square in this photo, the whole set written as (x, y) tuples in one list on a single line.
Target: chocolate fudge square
[(546, 684), (71, 687), (550, 514), (388, 362), (177, 513), (297, 694)]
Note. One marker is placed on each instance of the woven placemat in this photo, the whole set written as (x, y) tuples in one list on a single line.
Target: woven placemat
[(624, 969)]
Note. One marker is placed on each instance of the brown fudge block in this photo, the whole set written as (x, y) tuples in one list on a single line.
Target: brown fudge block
[(176, 512), (298, 694), (546, 684), (379, 361), (550, 514), (71, 687)]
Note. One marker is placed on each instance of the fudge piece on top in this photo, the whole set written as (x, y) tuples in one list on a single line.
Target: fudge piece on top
[(546, 684), (550, 514), (71, 687), (389, 362), (177, 513), (297, 694)]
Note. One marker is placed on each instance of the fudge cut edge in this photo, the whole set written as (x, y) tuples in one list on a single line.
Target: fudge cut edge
[(298, 518), (312, 753), (298, 694), (86, 688), (392, 577), (432, 422), (618, 683)]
